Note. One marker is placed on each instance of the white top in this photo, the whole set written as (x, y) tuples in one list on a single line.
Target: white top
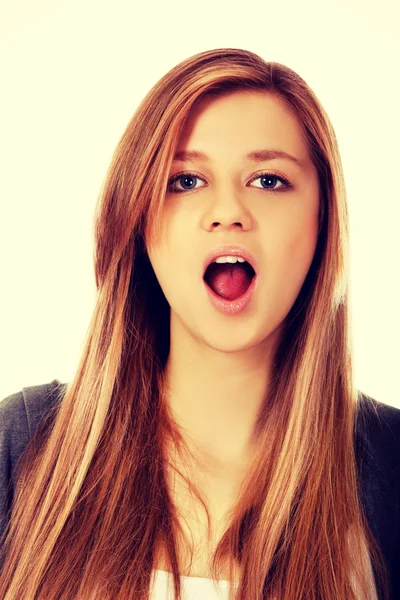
[(193, 588)]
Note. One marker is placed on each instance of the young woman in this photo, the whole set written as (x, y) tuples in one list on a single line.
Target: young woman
[(212, 437)]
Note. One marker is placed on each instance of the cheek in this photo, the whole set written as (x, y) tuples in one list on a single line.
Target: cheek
[(301, 229), (292, 244), (299, 251), (301, 244), (169, 261), (163, 269)]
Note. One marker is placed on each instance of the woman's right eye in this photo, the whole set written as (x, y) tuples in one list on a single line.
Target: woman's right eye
[(186, 179)]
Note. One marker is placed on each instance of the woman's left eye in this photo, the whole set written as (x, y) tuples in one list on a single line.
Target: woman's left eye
[(265, 177)]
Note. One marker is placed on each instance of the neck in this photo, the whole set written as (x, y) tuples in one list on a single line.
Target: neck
[(216, 396)]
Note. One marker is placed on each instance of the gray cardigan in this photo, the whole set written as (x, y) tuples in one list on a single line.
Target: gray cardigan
[(377, 447)]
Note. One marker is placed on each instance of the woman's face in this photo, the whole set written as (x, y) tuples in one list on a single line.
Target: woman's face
[(227, 202)]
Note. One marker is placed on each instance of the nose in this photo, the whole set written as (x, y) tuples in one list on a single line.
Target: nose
[(227, 212)]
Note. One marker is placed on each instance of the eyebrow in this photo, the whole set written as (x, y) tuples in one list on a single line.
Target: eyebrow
[(255, 156)]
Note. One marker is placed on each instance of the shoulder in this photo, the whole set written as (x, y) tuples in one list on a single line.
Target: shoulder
[(378, 439), (20, 415), (22, 412), (39, 399), (378, 457), (378, 424)]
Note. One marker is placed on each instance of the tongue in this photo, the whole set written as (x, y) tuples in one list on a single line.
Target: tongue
[(228, 280)]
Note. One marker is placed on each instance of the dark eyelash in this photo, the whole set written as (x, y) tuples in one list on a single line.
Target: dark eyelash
[(283, 180)]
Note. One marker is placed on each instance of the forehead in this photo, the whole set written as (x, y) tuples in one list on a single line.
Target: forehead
[(240, 122)]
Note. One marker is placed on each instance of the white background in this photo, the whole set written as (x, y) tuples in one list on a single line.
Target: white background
[(72, 75)]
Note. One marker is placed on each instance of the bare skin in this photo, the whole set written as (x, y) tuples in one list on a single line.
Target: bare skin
[(218, 368)]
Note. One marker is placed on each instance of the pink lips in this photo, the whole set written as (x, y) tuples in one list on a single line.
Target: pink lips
[(231, 307)]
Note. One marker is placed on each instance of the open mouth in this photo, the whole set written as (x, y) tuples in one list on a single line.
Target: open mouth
[(229, 280)]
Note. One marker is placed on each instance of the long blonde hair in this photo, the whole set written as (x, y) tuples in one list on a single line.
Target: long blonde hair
[(92, 505)]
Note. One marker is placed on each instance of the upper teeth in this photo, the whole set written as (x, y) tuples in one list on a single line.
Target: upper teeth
[(229, 259)]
